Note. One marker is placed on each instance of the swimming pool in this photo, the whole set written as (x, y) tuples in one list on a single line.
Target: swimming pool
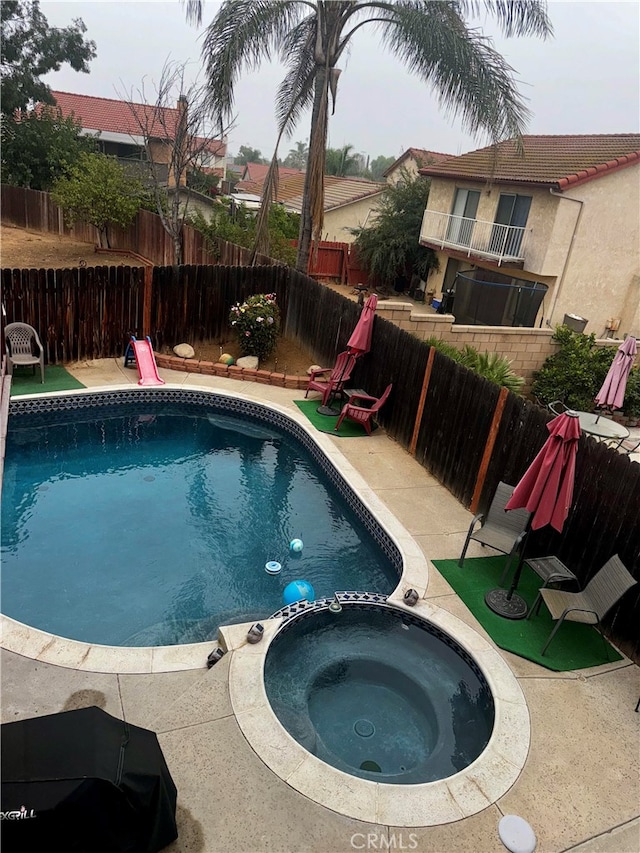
[(146, 517), (379, 693)]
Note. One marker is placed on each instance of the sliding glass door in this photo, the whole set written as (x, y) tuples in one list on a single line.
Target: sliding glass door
[(463, 216)]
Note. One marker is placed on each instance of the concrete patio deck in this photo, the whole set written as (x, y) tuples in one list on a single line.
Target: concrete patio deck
[(579, 789)]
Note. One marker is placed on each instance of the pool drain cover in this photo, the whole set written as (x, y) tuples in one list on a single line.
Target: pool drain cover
[(364, 728), (371, 766)]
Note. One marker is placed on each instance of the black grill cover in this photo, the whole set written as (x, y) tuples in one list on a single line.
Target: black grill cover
[(84, 782)]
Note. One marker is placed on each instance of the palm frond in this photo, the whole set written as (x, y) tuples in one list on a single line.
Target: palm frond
[(295, 93), (469, 77), (269, 195), (242, 35), (193, 11), (514, 17)]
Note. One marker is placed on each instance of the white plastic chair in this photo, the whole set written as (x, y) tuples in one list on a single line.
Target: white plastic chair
[(22, 341)]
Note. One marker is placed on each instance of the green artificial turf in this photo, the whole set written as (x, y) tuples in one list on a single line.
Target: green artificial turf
[(56, 378), (326, 423), (575, 646)]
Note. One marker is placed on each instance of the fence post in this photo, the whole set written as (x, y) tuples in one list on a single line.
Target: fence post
[(421, 401), (488, 449), (146, 303)]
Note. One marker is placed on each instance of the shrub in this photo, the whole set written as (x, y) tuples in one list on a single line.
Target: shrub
[(492, 366), (575, 372), (632, 394), (256, 323)]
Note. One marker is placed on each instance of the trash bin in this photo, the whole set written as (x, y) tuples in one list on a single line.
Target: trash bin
[(575, 323)]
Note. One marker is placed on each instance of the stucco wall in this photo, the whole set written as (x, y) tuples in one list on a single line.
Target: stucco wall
[(603, 271), (409, 165), (349, 216)]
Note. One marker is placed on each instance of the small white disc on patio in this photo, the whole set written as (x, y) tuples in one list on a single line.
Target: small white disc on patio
[(184, 351), (516, 834)]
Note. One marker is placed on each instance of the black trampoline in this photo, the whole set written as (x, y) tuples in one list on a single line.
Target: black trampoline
[(84, 782)]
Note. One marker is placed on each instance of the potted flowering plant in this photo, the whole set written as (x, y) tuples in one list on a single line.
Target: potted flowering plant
[(256, 322)]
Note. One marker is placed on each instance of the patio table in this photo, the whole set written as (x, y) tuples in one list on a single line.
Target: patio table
[(601, 427)]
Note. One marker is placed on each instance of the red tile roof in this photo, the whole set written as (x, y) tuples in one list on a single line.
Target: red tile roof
[(556, 161), (421, 155), (257, 172), (337, 191), (106, 114)]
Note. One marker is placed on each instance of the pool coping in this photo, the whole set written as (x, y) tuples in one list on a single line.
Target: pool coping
[(49, 648), (465, 793)]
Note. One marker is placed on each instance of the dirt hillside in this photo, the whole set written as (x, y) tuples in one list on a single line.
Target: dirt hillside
[(22, 249)]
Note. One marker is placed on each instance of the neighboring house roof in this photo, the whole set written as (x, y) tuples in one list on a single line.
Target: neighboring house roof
[(556, 161), (257, 172), (420, 155), (110, 116), (337, 191)]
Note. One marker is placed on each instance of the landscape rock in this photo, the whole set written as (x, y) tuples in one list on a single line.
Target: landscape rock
[(184, 351), (250, 362)]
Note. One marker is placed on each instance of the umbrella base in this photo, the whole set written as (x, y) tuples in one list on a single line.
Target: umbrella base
[(511, 608), (327, 410)]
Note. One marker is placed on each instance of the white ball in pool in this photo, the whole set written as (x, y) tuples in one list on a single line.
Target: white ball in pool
[(296, 546)]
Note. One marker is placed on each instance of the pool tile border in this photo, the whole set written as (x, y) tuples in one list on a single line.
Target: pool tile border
[(381, 524), (471, 790)]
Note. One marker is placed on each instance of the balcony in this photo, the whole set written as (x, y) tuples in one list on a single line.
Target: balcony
[(503, 244)]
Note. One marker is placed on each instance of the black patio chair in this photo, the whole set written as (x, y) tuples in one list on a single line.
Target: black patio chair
[(500, 529), (592, 604)]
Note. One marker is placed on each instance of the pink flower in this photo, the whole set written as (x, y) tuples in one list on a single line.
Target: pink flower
[(247, 334)]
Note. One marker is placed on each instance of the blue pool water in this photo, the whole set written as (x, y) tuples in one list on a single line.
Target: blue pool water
[(379, 694), (152, 525)]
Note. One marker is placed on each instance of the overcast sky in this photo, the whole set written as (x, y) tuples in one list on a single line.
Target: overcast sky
[(584, 80)]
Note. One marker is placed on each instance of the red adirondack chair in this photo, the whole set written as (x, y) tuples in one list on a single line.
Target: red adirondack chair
[(335, 377), (363, 414)]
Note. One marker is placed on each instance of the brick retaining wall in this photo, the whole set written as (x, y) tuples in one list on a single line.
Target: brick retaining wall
[(213, 368)]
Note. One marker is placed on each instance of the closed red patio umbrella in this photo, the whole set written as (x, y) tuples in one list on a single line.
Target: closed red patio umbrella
[(360, 340), (358, 344), (611, 395), (546, 490)]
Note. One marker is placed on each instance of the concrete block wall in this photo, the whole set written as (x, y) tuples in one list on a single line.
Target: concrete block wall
[(526, 348)]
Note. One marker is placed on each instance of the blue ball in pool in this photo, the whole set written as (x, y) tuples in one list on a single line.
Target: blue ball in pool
[(296, 546), (297, 590)]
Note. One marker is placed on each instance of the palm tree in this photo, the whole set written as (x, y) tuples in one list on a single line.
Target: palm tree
[(297, 157), (340, 161), (431, 37)]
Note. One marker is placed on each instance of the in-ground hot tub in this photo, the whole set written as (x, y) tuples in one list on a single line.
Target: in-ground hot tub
[(379, 693), (361, 721)]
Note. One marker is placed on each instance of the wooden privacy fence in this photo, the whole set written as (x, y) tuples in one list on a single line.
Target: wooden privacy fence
[(466, 431), (192, 303), (86, 313)]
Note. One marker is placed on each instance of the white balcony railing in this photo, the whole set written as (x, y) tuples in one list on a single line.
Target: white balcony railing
[(501, 243)]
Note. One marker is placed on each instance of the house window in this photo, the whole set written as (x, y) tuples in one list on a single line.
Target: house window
[(463, 215), (509, 224)]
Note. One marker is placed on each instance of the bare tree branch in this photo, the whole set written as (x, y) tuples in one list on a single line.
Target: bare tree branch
[(178, 138)]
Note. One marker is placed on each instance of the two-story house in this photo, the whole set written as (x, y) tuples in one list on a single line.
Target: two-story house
[(409, 162), (526, 235), (120, 126)]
